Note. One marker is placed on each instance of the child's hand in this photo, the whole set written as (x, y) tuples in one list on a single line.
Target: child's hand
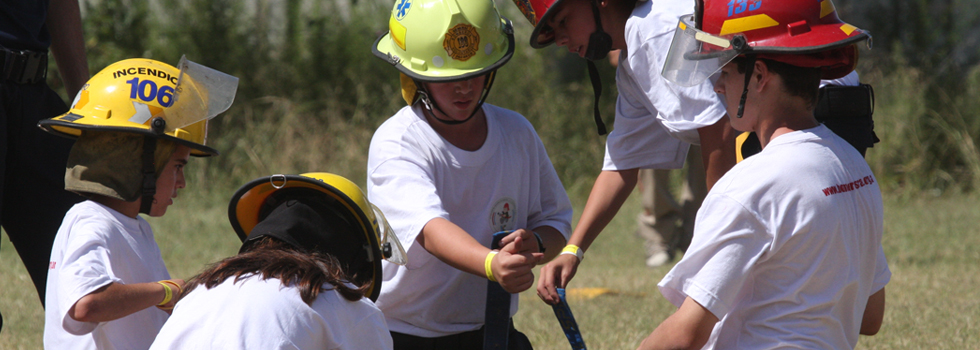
[(512, 266), (556, 274), (530, 243)]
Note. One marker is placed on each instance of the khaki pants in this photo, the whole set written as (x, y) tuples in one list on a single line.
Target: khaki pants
[(666, 223)]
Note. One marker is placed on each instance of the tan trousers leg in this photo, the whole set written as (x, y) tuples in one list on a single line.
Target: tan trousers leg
[(695, 189), (665, 223), (657, 223)]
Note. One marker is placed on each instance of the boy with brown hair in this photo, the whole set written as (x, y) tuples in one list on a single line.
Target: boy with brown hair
[(136, 123), (787, 245)]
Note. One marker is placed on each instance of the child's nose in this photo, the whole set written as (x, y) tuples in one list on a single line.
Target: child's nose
[(464, 86)]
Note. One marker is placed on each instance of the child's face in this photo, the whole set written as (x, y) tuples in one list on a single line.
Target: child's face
[(171, 179), (730, 84), (457, 99), (572, 24)]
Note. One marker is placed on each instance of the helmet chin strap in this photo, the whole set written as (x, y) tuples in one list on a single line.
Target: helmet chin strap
[(600, 43), (149, 165), (750, 59), (432, 107)]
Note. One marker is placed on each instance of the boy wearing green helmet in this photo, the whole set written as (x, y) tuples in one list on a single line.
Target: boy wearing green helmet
[(449, 171), (136, 123)]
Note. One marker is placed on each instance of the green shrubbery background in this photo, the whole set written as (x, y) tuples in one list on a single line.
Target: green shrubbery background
[(311, 92)]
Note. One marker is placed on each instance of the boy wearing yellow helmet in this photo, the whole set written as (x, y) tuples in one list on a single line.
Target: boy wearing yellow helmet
[(449, 171), (787, 245), (305, 278), (135, 123)]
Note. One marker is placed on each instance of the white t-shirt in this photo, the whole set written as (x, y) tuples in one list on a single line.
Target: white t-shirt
[(787, 247), (414, 176), (263, 314), (96, 246), (656, 120)]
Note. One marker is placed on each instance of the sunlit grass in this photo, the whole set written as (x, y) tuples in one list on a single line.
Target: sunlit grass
[(932, 244)]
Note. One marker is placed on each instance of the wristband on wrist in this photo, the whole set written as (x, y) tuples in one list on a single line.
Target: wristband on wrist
[(168, 293), (487, 265), (172, 283), (572, 249)]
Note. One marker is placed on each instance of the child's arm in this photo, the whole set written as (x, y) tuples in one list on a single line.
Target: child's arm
[(553, 241), (117, 300), (874, 313), (454, 246), (717, 149), (688, 328), (610, 191)]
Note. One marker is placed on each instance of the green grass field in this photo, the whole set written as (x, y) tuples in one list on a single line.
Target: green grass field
[(932, 244)]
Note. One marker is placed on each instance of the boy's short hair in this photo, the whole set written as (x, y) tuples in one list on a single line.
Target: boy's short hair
[(110, 163), (798, 81)]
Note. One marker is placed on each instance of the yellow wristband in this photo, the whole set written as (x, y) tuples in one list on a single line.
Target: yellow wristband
[(167, 293), (172, 283), (487, 265), (572, 249)]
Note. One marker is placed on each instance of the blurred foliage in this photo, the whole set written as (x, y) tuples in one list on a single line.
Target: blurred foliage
[(311, 93), (924, 67)]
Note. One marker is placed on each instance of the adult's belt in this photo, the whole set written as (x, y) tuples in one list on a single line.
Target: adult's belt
[(24, 66)]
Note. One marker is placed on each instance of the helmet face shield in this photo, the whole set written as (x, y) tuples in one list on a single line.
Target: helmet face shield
[(201, 94), (391, 248), (135, 95), (694, 55)]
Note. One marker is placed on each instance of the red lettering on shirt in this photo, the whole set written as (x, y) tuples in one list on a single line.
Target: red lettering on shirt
[(849, 186), (51, 265)]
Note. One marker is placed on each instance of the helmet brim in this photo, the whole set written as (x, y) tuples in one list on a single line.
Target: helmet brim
[(543, 35), (71, 126), (695, 55), (383, 49), (245, 207)]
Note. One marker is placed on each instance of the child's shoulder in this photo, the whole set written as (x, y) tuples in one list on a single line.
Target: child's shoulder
[(506, 116), (91, 216), (401, 120)]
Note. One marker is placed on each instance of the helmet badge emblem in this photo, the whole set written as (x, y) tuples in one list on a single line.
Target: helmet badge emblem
[(401, 9), (461, 42)]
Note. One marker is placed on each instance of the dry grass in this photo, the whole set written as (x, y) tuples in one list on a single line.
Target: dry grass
[(932, 243)]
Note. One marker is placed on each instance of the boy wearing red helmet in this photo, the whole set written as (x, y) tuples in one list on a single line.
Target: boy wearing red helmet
[(787, 245)]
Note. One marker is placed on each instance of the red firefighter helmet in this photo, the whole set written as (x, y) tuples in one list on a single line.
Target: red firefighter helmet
[(537, 12), (804, 33)]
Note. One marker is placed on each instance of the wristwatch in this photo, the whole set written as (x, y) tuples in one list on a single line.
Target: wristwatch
[(540, 242)]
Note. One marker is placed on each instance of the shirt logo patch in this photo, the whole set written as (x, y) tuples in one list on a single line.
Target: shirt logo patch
[(502, 215), (461, 42)]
